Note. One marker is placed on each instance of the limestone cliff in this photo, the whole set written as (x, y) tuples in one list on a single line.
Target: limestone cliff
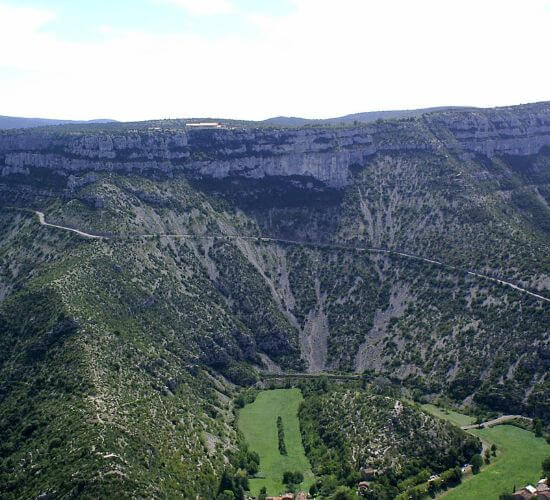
[(326, 154)]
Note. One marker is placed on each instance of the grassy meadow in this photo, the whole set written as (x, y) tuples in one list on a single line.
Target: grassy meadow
[(452, 416), (258, 423), (518, 463), (518, 460)]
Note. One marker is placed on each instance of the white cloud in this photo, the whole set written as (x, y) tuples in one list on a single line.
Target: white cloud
[(105, 29), (324, 58), (204, 7), (23, 19)]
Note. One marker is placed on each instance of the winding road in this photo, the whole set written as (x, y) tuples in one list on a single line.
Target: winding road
[(500, 281), (495, 421), (81, 233)]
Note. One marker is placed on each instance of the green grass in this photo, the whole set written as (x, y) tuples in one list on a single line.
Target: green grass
[(258, 423), (518, 463), (454, 417)]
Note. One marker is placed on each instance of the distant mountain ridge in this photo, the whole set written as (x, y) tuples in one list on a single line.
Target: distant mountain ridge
[(10, 122), (366, 117), (14, 122)]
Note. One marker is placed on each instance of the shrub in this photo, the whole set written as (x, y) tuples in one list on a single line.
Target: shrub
[(477, 462), (538, 427), (292, 477), (344, 493)]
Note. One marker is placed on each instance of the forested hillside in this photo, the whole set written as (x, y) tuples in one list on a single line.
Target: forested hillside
[(351, 435)]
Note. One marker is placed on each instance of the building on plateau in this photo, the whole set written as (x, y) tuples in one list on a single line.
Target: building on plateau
[(204, 125)]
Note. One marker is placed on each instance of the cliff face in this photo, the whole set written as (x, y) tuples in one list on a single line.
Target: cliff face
[(518, 130), (325, 154)]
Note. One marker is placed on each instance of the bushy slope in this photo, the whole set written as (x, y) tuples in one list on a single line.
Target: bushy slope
[(132, 343), (347, 430), (335, 308), (489, 215), (101, 388)]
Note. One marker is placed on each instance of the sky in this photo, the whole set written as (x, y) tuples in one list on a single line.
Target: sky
[(253, 59)]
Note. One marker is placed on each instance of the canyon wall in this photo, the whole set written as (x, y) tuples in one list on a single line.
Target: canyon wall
[(327, 154)]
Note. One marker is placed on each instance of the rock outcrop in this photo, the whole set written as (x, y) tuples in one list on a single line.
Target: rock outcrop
[(326, 154)]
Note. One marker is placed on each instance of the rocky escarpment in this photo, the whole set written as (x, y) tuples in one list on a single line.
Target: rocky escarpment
[(325, 154), (515, 130)]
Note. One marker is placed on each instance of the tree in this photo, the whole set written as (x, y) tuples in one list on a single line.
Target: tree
[(281, 436), (477, 462), (456, 478), (546, 467), (263, 493), (538, 427), (344, 493), (241, 479), (226, 482), (313, 489), (292, 477), (226, 495), (487, 456), (494, 449)]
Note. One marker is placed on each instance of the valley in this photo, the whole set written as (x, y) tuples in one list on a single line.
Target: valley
[(257, 421), (519, 453), (167, 292)]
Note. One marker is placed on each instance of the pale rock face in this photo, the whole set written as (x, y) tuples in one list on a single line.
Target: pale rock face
[(9, 170), (521, 130), (74, 182), (325, 154)]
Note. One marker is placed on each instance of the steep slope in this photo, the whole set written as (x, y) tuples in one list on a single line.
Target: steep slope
[(100, 395), (240, 249)]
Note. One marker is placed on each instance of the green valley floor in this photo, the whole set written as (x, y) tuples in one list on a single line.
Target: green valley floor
[(518, 461), (518, 464), (452, 416), (258, 423)]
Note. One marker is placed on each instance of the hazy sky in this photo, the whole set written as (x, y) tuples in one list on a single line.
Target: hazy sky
[(141, 59)]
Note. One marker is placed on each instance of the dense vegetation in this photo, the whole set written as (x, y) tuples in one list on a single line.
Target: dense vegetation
[(84, 375), (120, 359), (350, 434)]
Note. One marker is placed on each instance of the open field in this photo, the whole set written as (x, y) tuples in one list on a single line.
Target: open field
[(454, 417), (258, 423), (518, 463)]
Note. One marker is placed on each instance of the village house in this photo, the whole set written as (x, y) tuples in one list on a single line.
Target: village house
[(363, 487), (541, 491), (286, 496), (466, 468), (369, 473)]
